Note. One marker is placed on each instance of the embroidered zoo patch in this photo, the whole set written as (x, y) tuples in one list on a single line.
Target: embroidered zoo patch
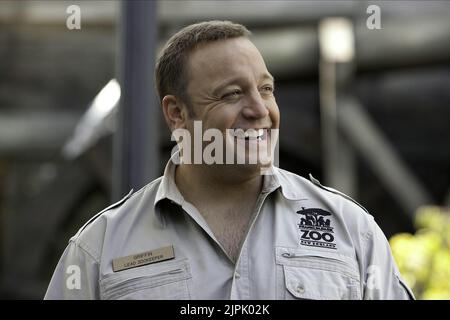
[(315, 228)]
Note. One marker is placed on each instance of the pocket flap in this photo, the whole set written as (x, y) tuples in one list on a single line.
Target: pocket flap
[(161, 275), (303, 283)]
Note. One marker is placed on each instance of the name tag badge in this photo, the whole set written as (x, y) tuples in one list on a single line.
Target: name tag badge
[(144, 258)]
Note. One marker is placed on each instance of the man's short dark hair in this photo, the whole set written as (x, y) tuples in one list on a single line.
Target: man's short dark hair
[(170, 71)]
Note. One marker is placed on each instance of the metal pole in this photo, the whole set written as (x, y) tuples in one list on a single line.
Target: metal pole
[(136, 152), (335, 75)]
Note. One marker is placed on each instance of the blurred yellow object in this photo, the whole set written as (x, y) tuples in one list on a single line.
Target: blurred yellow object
[(424, 258)]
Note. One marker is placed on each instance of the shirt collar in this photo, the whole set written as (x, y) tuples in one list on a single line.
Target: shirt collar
[(277, 178), (274, 178), (167, 188)]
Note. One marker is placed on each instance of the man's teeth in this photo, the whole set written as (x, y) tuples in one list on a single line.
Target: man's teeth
[(249, 134)]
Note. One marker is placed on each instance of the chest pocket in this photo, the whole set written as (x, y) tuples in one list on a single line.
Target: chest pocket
[(165, 280), (316, 275)]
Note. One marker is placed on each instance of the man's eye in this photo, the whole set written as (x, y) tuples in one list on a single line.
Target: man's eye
[(232, 94), (267, 89)]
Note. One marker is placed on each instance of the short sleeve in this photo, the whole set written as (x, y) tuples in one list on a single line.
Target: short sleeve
[(75, 276), (382, 280)]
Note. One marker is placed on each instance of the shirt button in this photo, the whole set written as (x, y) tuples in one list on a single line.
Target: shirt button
[(300, 289), (237, 275)]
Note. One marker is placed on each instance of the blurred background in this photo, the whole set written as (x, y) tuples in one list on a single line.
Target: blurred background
[(363, 89)]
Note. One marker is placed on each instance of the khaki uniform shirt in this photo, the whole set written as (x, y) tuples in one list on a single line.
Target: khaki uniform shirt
[(305, 241)]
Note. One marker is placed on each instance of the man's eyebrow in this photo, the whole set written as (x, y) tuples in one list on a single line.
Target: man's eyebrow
[(265, 76), (228, 82), (268, 76)]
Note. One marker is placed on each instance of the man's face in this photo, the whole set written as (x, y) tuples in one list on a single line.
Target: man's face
[(230, 88)]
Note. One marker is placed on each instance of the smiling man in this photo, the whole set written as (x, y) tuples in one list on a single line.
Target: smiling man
[(230, 89), (222, 229)]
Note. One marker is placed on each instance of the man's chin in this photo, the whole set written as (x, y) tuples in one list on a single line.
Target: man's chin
[(248, 165)]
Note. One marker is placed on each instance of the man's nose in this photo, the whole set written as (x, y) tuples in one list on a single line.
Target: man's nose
[(255, 106)]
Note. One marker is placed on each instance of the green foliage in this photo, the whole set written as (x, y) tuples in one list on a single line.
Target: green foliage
[(424, 258)]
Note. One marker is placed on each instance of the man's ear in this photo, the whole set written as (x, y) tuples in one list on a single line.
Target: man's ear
[(174, 112)]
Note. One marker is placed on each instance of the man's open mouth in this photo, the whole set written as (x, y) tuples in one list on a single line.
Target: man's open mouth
[(250, 134)]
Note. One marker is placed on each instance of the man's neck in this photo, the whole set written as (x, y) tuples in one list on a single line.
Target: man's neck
[(206, 184), (225, 197)]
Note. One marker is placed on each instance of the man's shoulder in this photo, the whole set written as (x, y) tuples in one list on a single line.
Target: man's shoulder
[(301, 187), (94, 229)]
